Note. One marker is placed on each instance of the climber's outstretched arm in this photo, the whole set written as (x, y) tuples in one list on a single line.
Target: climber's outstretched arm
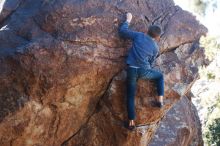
[(124, 30)]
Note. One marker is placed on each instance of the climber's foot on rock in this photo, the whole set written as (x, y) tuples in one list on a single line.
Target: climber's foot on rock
[(157, 104), (130, 125)]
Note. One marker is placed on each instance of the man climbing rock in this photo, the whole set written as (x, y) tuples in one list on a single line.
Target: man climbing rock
[(140, 58)]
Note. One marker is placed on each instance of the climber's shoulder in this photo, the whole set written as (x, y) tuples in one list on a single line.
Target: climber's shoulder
[(140, 35)]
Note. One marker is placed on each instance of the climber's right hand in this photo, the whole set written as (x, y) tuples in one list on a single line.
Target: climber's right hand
[(128, 17)]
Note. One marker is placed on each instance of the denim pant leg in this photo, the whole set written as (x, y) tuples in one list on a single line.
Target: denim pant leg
[(131, 89), (154, 75)]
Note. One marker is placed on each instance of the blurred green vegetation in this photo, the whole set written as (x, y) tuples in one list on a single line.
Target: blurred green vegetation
[(211, 130), (210, 100), (214, 135), (212, 47), (199, 6)]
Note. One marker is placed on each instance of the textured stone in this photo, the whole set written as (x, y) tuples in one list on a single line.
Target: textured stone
[(180, 126), (62, 70)]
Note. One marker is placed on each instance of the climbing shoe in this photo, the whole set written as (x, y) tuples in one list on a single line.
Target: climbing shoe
[(129, 127), (157, 104)]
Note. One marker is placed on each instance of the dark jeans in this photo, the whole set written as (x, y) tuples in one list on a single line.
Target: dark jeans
[(133, 74)]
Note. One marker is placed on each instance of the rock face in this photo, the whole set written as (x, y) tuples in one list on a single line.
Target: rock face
[(62, 71), (179, 127)]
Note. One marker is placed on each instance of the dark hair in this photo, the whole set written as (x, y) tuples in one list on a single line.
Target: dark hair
[(154, 31)]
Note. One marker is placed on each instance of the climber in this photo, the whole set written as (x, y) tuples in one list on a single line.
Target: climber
[(140, 58)]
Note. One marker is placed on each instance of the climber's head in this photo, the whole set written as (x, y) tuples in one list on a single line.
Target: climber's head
[(154, 31)]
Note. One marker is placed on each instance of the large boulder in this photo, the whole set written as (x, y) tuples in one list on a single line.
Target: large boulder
[(180, 126), (62, 70)]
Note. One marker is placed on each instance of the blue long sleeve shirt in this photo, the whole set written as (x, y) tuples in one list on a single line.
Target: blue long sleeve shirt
[(144, 49)]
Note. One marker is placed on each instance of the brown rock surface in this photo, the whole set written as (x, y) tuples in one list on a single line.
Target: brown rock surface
[(179, 127), (62, 70)]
